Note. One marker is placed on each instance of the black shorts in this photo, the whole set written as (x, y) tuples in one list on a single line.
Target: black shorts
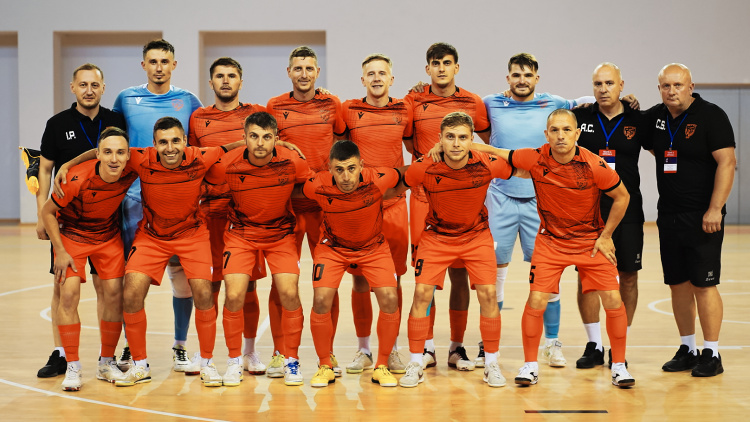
[(687, 252), (628, 240), (52, 262)]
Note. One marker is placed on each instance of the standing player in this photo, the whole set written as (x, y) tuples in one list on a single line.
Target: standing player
[(66, 135), (310, 119), (260, 178), (217, 125), (350, 195), (429, 107), (456, 228), (616, 132), (378, 124), (693, 143), (142, 106), (86, 223)]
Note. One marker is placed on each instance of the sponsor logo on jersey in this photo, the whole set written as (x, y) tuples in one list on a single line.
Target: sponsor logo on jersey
[(286, 114), (138, 100), (70, 135), (438, 179), (208, 122), (360, 114), (242, 178)]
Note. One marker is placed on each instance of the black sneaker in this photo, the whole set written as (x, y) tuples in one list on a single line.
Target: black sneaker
[(591, 357), (682, 360), (708, 365), (56, 365), (610, 360)]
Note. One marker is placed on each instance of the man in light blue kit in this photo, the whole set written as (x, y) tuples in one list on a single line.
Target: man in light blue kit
[(142, 106), (519, 121)]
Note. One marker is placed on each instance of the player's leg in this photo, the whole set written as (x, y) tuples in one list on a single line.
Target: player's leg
[(182, 307), (292, 318), (56, 363), (387, 330), (418, 210), (135, 289), (70, 328), (362, 315), (132, 214), (328, 268), (458, 312), (588, 307), (396, 230), (251, 312), (235, 289)]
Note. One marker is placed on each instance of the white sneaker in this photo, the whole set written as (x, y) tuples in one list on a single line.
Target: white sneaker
[(493, 376), (233, 376), (414, 375), (394, 363), (276, 367), (194, 366), (458, 359), (180, 359), (135, 375), (210, 376), (252, 364), (621, 377), (479, 361), (292, 373), (553, 353), (125, 361), (109, 372), (360, 362), (72, 381), (428, 359), (528, 374)]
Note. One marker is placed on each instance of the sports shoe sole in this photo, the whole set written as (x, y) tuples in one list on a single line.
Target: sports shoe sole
[(130, 384), (388, 384), (320, 384), (525, 381)]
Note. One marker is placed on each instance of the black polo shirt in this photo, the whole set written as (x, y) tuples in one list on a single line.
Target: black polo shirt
[(70, 133), (699, 131), (628, 133)]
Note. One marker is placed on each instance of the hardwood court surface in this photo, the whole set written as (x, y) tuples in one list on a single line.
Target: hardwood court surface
[(445, 395)]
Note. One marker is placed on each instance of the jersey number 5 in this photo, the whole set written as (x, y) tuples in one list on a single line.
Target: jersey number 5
[(531, 274)]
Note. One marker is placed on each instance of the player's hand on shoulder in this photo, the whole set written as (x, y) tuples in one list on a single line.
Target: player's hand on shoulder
[(435, 152), (506, 93), (419, 87), (324, 91), (291, 146), (632, 101), (60, 180)]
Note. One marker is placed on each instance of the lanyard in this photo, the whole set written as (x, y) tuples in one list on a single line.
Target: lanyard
[(87, 135), (671, 135), (608, 135)]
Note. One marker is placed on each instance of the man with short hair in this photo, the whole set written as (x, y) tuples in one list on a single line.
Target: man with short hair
[(66, 135), (456, 228), (429, 107), (142, 106), (616, 132), (379, 125), (217, 125), (694, 145), (312, 120), (260, 178), (85, 223), (349, 195)]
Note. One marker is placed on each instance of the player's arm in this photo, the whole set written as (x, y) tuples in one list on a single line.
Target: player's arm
[(726, 162), (291, 146), (63, 171), (604, 243), (45, 179), (400, 186), (63, 260)]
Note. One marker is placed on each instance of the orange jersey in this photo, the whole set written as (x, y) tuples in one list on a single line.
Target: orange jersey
[(567, 195), (261, 206), (211, 127), (170, 196), (89, 211), (456, 196), (352, 220), (379, 132)]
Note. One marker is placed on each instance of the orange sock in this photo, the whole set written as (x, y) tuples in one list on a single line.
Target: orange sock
[(417, 332), (489, 328), (216, 303), (458, 324), (70, 337), (362, 312), (233, 322), (321, 327), (400, 309), (617, 330), (135, 331), (291, 326), (109, 331), (430, 333), (387, 333), (251, 311), (532, 326), (274, 315), (205, 325), (334, 317)]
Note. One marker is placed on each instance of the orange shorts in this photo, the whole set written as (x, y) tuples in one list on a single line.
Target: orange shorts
[(241, 256), (106, 257), (217, 228), (396, 232), (376, 265), (547, 265), (308, 222), (150, 255), (435, 256)]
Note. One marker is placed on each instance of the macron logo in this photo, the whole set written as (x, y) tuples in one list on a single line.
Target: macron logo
[(138, 100)]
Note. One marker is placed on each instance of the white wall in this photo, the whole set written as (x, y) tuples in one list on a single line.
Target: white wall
[(566, 37)]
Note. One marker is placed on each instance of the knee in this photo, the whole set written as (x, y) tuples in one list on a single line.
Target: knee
[(234, 301), (388, 302), (321, 305)]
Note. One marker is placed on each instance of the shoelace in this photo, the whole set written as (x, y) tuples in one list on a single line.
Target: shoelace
[(462, 353), (181, 354), (125, 354)]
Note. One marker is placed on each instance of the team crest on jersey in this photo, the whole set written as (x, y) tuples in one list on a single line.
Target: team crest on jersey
[(368, 199), (192, 174), (397, 118), (690, 130), (177, 104), (629, 132), (325, 114), (283, 179), (543, 103)]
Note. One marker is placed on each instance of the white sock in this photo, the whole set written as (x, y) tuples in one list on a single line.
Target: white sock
[(365, 351), (489, 358), (364, 343), (206, 362), (416, 357), (249, 346), (502, 273), (713, 345), (689, 341), (287, 361), (105, 360), (454, 345), (76, 364), (594, 333), (61, 350), (534, 366), (628, 332), (429, 345), (143, 363), (179, 343), (395, 345), (233, 361), (550, 341)]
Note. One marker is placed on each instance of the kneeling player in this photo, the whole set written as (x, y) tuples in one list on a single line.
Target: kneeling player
[(352, 236), (83, 223)]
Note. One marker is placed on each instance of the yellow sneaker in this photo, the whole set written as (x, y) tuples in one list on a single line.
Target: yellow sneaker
[(323, 377), (383, 376), (336, 368)]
